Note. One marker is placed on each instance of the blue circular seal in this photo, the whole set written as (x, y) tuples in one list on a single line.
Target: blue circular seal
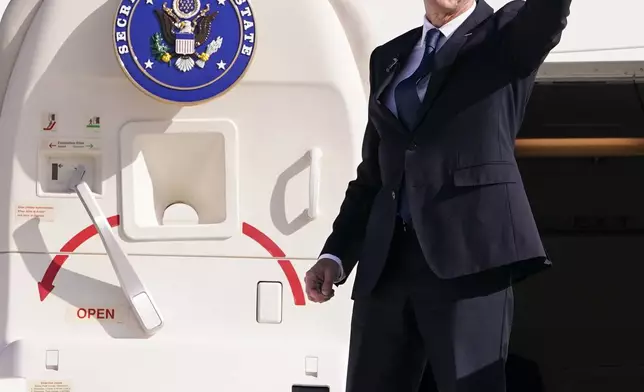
[(184, 51)]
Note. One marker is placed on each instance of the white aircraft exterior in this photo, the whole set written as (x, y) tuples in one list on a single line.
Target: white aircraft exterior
[(147, 246)]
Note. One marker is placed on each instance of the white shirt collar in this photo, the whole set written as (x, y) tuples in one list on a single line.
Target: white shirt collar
[(448, 28)]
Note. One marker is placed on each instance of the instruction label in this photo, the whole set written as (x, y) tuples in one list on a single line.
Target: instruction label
[(29, 211), (72, 144), (111, 314), (50, 386)]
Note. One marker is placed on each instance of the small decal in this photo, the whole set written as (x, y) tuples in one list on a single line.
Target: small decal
[(28, 211), (50, 123), (50, 386), (102, 314), (94, 122)]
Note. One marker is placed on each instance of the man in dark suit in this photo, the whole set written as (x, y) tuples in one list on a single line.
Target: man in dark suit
[(438, 216)]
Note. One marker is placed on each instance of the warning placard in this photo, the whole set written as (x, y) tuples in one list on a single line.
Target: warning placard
[(50, 386), (30, 211)]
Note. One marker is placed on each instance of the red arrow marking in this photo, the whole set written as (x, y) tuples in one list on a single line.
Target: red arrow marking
[(275, 251), (46, 285)]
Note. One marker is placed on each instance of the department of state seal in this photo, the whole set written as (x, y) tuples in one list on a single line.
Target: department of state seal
[(184, 51)]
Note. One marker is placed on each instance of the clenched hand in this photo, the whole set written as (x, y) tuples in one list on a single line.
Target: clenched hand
[(319, 280)]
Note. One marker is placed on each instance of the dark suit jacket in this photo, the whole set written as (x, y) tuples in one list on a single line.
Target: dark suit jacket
[(466, 196)]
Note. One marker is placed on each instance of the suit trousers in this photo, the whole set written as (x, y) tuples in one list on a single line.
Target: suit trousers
[(418, 333)]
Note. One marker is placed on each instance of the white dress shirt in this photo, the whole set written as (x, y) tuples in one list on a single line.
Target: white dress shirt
[(410, 66)]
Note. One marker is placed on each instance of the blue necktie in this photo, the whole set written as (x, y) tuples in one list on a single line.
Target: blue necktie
[(408, 103)]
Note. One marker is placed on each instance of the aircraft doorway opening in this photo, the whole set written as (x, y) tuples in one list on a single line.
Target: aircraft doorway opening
[(578, 327)]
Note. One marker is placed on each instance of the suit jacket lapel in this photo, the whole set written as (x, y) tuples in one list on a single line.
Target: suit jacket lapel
[(447, 55), (393, 58)]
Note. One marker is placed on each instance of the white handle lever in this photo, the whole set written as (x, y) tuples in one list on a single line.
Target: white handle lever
[(315, 156), (139, 297)]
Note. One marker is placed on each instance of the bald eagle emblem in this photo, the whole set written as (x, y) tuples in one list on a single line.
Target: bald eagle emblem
[(185, 28)]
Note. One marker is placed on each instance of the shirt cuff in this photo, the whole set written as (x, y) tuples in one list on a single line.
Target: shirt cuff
[(338, 261)]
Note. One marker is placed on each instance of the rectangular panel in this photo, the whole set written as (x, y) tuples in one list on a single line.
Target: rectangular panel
[(192, 164), (269, 302), (51, 360), (58, 159)]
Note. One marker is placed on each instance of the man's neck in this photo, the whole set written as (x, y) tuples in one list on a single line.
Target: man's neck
[(439, 18)]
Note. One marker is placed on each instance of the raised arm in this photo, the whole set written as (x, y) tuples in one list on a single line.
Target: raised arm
[(532, 29)]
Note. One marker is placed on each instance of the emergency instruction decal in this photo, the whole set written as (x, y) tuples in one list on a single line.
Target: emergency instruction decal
[(50, 386), (30, 211), (70, 144)]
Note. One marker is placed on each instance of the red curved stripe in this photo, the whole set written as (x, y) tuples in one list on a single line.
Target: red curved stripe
[(275, 251), (293, 281), (46, 285), (263, 240), (86, 234)]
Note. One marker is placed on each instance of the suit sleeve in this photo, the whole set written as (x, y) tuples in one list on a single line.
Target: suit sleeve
[(345, 241), (533, 32)]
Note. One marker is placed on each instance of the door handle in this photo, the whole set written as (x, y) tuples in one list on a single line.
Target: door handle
[(136, 293)]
